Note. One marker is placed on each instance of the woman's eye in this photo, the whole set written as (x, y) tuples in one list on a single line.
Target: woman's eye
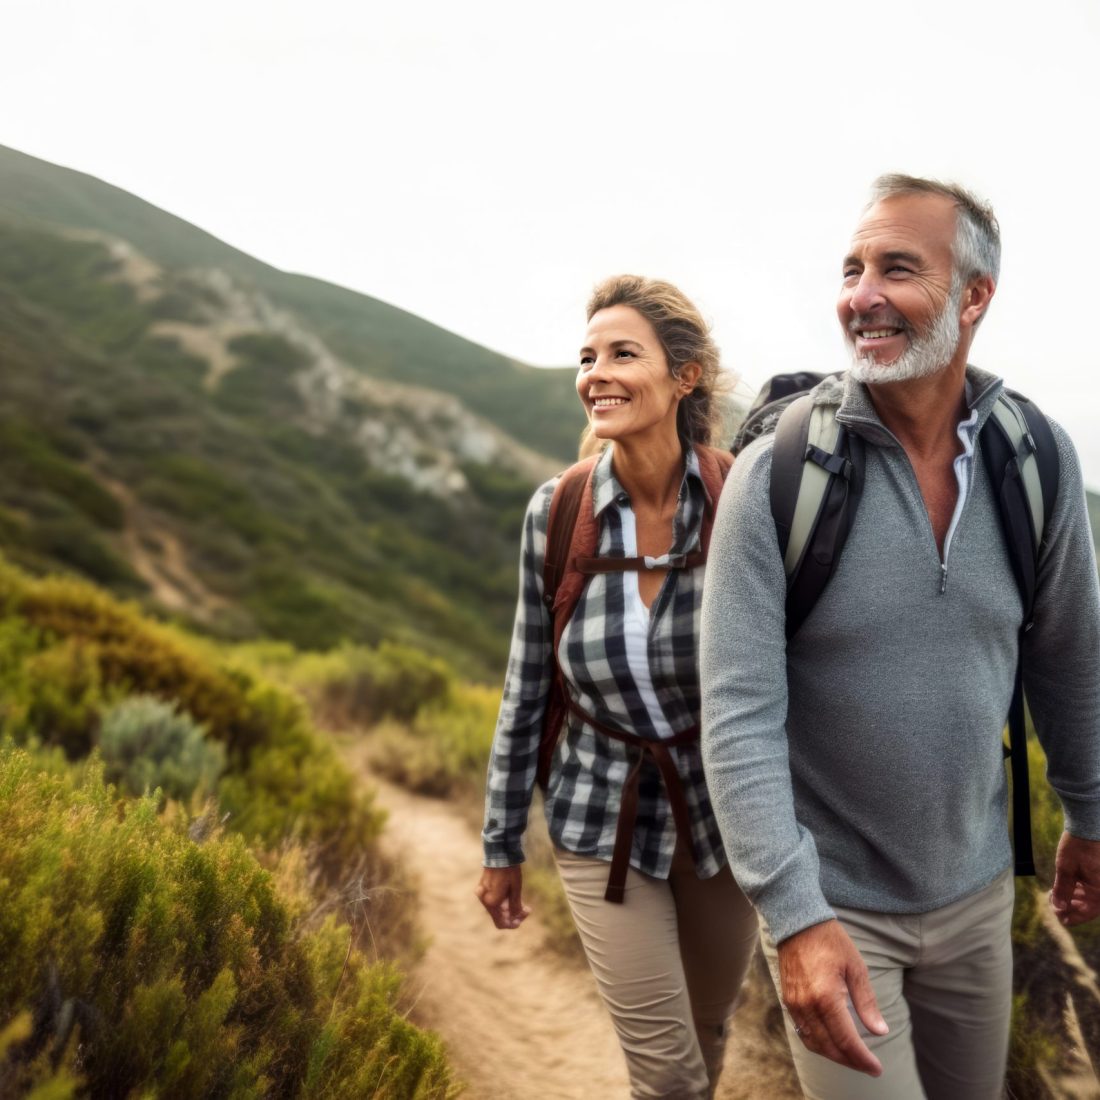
[(623, 352), (587, 360)]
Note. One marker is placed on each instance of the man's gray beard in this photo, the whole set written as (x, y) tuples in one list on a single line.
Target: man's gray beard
[(926, 354)]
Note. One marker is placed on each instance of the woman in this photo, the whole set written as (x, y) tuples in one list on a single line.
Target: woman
[(669, 959)]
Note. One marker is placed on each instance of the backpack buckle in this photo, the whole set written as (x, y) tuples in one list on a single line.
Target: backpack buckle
[(837, 465)]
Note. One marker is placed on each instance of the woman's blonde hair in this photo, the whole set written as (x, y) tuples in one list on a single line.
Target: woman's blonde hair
[(684, 336)]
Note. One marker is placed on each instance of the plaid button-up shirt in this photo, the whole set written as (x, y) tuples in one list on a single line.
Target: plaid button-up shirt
[(589, 769)]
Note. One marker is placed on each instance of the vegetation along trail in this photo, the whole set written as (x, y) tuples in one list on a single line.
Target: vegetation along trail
[(520, 1021)]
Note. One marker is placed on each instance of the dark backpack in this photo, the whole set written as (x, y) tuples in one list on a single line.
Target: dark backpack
[(572, 539), (816, 483)]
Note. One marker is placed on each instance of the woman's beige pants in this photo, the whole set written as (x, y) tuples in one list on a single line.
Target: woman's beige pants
[(669, 962)]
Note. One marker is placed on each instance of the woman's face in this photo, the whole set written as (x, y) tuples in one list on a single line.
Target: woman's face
[(624, 381)]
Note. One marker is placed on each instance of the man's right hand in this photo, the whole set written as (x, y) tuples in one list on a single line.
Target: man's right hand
[(819, 969), (500, 891)]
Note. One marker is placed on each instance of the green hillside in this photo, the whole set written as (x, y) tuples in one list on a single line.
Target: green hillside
[(377, 338), (223, 504)]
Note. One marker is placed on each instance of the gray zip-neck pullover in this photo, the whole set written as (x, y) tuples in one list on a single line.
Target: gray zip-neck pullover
[(861, 764)]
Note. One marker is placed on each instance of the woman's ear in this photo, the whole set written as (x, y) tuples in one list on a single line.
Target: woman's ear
[(687, 376)]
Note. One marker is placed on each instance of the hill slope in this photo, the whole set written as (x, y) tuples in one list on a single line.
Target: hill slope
[(181, 436), (374, 337)]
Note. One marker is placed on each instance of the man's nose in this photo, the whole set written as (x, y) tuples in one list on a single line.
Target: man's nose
[(866, 294)]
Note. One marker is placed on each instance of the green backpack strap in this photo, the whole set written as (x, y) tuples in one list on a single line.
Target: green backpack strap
[(816, 482), (1021, 457)]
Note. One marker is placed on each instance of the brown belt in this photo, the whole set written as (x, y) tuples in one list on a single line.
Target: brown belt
[(657, 751)]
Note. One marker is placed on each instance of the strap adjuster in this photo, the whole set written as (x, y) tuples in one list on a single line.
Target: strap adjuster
[(835, 464)]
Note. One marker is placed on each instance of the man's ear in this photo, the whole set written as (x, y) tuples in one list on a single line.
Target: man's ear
[(976, 298)]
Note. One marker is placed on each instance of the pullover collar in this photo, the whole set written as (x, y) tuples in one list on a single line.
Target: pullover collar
[(857, 412)]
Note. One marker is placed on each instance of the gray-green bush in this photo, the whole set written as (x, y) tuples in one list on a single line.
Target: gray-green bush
[(148, 743)]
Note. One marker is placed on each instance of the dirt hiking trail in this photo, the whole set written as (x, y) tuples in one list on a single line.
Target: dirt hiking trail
[(518, 1021)]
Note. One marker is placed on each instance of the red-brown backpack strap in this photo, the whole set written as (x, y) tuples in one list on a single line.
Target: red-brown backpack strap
[(714, 467), (565, 523), (565, 506)]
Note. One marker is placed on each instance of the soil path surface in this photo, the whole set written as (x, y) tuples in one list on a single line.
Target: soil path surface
[(519, 1021)]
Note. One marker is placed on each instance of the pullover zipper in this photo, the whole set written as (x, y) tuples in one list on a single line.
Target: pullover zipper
[(966, 491)]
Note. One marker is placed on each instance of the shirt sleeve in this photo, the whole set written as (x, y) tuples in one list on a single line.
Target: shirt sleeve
[(1061, 652), (513, 761), (743, 673)]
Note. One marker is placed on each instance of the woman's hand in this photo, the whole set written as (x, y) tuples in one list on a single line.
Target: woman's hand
[(499, 890)]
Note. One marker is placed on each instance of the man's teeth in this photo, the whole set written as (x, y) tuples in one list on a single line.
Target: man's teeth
[(604, 402), (878, 333)]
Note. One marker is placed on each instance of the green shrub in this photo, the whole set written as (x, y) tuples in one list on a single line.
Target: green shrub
[(296, 786), (359, 685), (49, 694), (175, 965), (445, 750), (147, 743), (67, 651)]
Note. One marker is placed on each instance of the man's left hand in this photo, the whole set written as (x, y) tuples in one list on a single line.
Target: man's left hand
[(1076, 893)]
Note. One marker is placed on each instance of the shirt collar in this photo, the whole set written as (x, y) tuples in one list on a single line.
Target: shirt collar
[(606, 488)]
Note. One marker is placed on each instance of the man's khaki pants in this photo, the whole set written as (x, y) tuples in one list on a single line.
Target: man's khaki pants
[(669, 963), (943, 981)]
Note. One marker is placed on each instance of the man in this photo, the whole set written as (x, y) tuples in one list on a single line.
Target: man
[(856, 771)]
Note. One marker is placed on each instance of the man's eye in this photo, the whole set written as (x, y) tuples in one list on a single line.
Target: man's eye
[(897, 269), (850, 273)]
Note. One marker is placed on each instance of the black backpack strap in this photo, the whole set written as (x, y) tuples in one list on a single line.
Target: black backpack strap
[(816, 482), (1021, 459)]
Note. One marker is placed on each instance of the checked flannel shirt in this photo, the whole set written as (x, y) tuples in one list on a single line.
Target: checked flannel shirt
[(589, 769)]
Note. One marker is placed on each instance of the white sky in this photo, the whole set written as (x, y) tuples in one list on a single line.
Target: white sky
[(482, 164)]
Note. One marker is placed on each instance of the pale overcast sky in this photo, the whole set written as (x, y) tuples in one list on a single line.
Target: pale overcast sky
[(482, 164)]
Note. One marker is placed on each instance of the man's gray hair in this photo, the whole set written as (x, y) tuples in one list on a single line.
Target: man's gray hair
[(977, 249)]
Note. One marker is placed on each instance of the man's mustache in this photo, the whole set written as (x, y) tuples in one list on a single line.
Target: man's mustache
[(878, 320)]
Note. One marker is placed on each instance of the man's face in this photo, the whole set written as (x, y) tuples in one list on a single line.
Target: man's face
[(900, 302)]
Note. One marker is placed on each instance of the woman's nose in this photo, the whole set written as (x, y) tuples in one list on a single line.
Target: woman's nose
[(599, 368)]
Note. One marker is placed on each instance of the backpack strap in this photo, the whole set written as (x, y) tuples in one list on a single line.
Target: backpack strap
[(565, 506), (1021, 458), (561, 589), (816, 482)]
